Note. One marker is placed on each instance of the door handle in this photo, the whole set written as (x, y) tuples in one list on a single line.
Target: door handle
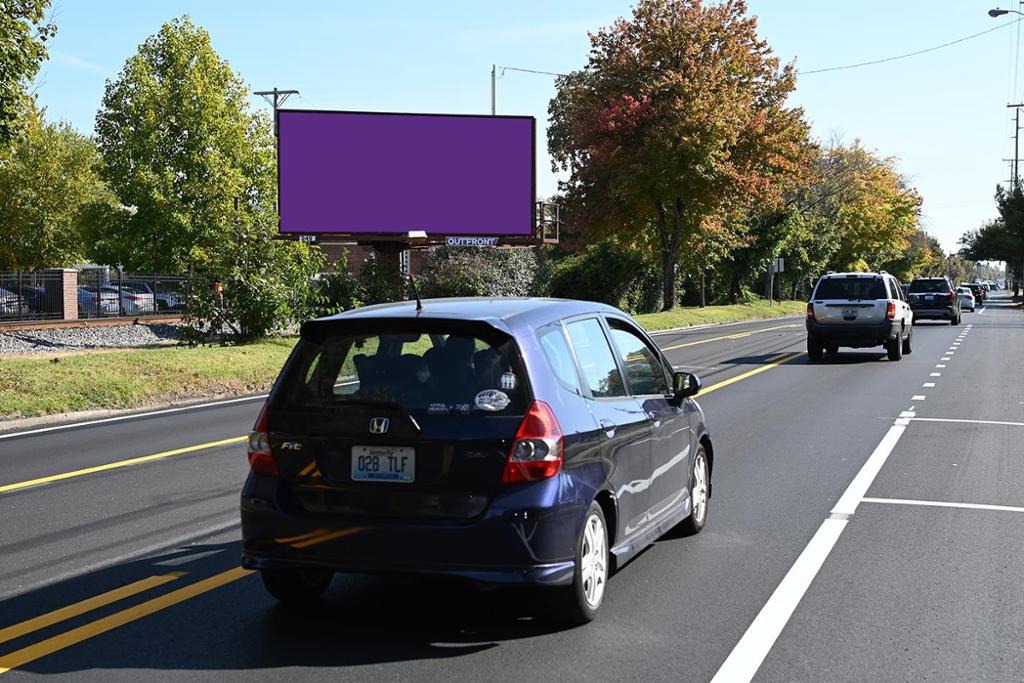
[(608, 426)]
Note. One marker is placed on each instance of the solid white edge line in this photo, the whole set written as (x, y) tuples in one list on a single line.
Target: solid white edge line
[(132, 416), (749, 653), (746, 658), (944, 504), (979, 422)]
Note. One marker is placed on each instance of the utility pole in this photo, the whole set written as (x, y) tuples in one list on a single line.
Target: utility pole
[(494, 87), (1016, 146), (276, 99)]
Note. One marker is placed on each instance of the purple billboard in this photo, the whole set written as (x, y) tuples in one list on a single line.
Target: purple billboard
[(365, 173)]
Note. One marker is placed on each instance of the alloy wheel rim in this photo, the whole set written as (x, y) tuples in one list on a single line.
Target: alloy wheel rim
[(700, 489), (594, 561)]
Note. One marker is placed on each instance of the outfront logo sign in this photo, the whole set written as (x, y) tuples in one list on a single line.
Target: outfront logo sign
[(379, 425)]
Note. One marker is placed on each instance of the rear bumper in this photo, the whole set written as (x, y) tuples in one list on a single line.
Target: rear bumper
[(934, 313), (853, 334), (527, 536)]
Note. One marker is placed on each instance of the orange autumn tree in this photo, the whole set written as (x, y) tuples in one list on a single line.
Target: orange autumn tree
[(677, 121)]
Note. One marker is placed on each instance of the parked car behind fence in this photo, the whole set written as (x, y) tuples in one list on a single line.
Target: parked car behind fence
[(100, 293)]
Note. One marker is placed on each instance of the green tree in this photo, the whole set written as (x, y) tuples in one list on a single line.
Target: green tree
[(23, 35), (183, 152), (923, 257), (1001, 239), (47, 181), (678, 118), (194, 170)]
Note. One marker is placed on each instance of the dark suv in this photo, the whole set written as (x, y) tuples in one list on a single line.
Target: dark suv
[(504, 441), (934, 298)]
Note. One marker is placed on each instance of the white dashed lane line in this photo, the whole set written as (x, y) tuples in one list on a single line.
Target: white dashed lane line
[(928, 385), (918, 397)]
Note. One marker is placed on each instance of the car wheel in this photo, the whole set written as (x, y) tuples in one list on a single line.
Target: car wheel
[(815, 351), (296, 586), (895, 349), (581, 600), (955, 320), (700, 494), (907, 343)]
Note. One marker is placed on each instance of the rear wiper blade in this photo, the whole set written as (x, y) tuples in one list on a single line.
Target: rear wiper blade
[(385, 405)]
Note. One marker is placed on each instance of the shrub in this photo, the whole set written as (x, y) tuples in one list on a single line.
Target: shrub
[(381, 282), (478, 272), (609, 273), (267, 285)]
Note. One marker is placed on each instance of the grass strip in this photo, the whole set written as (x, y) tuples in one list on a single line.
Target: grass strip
[(134, 378), (689, 317)]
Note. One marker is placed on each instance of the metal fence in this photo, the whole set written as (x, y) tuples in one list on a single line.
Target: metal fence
[(107, 293), (101, 293), (31, 296)]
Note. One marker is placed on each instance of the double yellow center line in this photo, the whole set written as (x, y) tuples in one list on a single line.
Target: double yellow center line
[(64, 640)]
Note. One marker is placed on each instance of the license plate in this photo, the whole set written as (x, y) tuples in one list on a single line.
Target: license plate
[(847, 312), (929, 297), (384, 463)]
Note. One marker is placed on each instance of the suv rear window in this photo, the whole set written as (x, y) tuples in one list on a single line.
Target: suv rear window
[(851, 288), (938, 285), (439, 372)]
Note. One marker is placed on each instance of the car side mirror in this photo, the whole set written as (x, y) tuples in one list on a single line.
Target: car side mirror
[(684, 384)]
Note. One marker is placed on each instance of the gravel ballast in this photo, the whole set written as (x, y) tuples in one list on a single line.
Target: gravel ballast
[(84, 338)]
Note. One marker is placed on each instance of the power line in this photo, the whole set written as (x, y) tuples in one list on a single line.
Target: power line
[(909, 54)]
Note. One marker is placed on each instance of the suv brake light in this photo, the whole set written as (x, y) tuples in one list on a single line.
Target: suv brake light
[(261, 459), (952, 296), (810, 310), (890, 311), (536, 452)]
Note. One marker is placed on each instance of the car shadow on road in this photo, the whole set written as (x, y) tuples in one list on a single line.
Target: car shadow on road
[(362, 620)]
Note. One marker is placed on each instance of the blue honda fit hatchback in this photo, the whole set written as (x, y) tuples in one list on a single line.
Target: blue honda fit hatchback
[(506, 441)]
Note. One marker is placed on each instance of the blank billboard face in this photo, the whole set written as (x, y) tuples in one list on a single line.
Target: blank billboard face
[(364, 173)]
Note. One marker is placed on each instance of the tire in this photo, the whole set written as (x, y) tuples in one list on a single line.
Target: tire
[(700, 495), (832, 349), (895, 349), (955, 320), (580, 602), (815, 351), (908, 342), (296, 586)]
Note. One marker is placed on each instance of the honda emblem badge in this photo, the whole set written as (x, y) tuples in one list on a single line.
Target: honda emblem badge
[(379, 425)]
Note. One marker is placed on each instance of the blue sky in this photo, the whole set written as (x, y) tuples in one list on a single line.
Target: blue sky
[(942, 114)]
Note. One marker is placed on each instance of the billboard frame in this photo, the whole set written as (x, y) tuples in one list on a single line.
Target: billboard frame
[(535, 236)]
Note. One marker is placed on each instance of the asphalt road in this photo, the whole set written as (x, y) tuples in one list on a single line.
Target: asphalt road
[(854, 534)]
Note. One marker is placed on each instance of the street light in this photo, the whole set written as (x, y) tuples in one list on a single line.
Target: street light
[(1000, 12)]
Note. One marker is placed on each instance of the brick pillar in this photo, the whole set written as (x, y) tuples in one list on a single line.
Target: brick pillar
[(64, 282)]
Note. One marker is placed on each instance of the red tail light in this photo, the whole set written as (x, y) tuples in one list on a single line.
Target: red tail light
[(890, 311), (810, 310), (536, 452), (261, 459), (952, 296)]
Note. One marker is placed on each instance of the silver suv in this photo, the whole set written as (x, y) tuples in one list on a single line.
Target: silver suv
[(859, 310)]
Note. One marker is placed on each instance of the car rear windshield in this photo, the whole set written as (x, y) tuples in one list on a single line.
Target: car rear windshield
[(939, 285), (851, 288), (442, 370)]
